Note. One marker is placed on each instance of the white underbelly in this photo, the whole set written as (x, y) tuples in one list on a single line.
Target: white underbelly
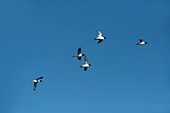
[(34, 80), (85, 65), (79, 55), (142, 43), (100, 38)]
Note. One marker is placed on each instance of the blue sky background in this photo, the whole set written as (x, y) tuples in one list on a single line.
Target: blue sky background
[(39, 37)]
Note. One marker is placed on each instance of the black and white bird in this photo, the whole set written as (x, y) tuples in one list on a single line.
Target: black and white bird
[(142, 42), (79, 54), (100, 37), (86, 64), (35, 81)]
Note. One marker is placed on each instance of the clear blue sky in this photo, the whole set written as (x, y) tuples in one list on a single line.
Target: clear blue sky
[(39, 37)]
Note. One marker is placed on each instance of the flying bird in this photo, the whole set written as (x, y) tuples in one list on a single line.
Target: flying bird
[(79, 54), (100, 37), (86, 64), (35, 81), (142, 42)]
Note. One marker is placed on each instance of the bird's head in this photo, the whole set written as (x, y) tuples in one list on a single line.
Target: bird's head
[(83, 55), (39, 80)]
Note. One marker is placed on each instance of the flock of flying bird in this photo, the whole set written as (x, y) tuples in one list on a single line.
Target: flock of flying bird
[(79, 55)]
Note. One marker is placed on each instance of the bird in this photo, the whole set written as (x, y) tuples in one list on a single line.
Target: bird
[(37, 80), (86, 64), (79, 54), (100, 37), (141, 42)]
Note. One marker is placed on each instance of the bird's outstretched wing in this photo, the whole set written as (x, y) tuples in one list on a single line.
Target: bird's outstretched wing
[(85, 60), (85, 68), (40, 78), (99, 33), (35, 86), (140, 40), (79, 58), (79, 50), (99, 41)]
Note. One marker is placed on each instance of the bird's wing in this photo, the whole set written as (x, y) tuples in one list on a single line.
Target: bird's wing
[(85, 60), (100, 41), (79, 50), (99, 33), (140, 40), (35, 86), (85, 68), (79, 58), (40, 78)]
